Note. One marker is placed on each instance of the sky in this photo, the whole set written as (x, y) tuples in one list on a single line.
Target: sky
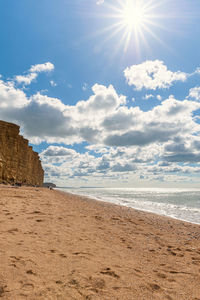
[(107, 92)]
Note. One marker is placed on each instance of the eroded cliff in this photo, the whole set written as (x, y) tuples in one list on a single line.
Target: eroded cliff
[(18, 161)]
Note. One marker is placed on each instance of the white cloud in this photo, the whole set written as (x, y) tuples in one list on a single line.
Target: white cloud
[(58, 151), (116, 163), (122, 119), (84, 87), (33, 73), (104, 100), (27, 79), (103, 119), (47, 119), (152, 75), (159, 98), (194, 93), (11, 98), (46, 67), (99, 2), (148, 96), (164, 121), (53, 83), (126, 139), (197, 71)]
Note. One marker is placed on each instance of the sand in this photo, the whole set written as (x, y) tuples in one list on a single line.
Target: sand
[(60, 246)]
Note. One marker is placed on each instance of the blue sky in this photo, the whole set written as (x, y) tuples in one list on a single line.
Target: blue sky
[(108, 92)]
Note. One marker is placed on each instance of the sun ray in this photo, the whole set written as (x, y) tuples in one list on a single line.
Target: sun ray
[(157, 38), (134, 18), (131, 24)]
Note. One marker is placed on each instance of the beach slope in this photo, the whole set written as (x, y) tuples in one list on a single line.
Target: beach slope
[(61, 246)]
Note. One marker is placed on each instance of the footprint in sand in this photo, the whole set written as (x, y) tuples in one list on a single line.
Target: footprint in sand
[(15, 259), (171, 280), (97, 283), (108, 271), (168, 297), (196, 262), (2, 290), (137, 273), (115, 219), (27, 287), (154, 287), (13, 230), (82, 254), (171, 252), (36, 212), (59, 282), (98, 218), (115, 288), (30, 272), (52, 251), (62, 255), (74, 282), (161, 275)]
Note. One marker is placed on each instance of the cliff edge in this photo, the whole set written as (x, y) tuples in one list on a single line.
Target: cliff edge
[(18, 161)]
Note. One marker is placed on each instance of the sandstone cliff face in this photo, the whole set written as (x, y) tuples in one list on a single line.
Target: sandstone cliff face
[(18, 162)]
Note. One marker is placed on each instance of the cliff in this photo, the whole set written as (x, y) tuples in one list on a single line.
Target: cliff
[(18, 161)]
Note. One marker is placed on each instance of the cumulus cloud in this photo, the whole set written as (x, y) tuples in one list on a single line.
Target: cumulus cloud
[(157, 125), (105, 99), (47, 119), (121, 119), (140, 138), (102, 119), (152, 75), (58, 151), (159, 98), (194, 93), (76, 165), (33, 73), (27, 79), (148, 96), (182, 150), (11, 98), (116, 164), (46, 67), (120, 139)]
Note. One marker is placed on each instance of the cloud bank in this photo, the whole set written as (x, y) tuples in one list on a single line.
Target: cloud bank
[(120, 140)]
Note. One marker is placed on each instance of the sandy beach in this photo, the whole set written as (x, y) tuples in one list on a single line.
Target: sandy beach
[(61, 246)]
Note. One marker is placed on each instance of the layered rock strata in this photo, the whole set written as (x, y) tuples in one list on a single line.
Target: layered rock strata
[(18, 162)]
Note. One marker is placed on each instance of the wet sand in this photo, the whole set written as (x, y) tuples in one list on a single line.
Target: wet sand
[(60, 246)]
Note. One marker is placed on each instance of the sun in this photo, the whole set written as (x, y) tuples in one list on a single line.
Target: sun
[(133, 15), (133, 21)]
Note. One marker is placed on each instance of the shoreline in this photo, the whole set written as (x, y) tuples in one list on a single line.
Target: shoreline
[(137, 209), (56, 245)]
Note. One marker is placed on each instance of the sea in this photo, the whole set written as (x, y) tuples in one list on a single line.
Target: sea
[(182, 204)]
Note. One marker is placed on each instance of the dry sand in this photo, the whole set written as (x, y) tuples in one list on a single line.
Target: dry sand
[(57, 246)]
